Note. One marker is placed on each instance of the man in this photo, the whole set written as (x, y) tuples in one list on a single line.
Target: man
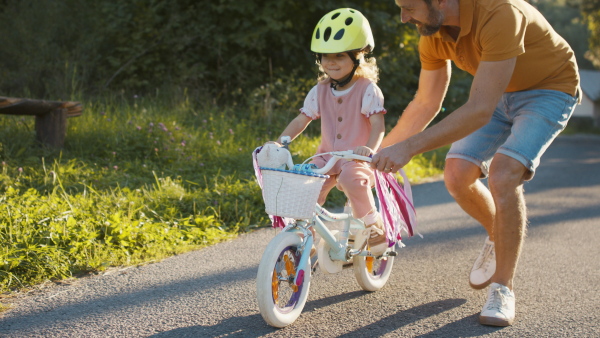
[(524, 90)]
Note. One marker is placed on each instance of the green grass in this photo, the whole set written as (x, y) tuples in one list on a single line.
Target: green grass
[(137, 181), (581, 125)]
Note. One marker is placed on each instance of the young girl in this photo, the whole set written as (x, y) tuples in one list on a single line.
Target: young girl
[(350, 106)]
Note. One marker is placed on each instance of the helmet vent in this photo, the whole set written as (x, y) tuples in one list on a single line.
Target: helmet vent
[(327, 34), (339, 34), (349, 21), (335, 16), (318, 34)]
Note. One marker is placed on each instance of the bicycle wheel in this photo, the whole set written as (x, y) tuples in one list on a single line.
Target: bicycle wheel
[(280, 301), (372, 273)]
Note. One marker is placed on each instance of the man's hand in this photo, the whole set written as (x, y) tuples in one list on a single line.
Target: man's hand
[(392, 158)]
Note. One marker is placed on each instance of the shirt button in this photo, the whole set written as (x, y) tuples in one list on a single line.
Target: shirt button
[(340, 119), (339, 136), (340, 100)]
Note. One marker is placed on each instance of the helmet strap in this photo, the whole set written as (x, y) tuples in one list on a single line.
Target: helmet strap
[(340, 83)]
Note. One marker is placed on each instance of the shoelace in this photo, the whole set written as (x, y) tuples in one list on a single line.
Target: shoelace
[(375, 231), (487, 251), (497, 301)]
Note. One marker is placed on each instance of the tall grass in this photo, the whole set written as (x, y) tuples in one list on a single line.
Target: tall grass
[(139, 179)]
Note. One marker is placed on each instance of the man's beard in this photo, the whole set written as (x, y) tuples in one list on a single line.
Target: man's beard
[(436, 18)]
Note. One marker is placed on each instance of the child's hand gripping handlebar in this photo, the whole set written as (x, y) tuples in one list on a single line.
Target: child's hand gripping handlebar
[(335, 156)]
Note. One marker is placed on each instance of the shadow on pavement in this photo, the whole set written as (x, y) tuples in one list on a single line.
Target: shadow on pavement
[(248, 326), (254, 326), (403, 318), (466, 327)]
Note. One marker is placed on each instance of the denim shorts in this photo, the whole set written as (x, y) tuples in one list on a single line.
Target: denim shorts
[(522, 127)]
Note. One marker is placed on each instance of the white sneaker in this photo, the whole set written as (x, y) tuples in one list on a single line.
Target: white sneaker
[(499, 310), (377, 240), (484, 266)]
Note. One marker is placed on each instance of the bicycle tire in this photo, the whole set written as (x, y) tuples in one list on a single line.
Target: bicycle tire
[(371, 273), (279, 304)]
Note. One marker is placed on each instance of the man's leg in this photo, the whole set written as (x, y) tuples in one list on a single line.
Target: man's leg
[(462, 181), (506, 186)]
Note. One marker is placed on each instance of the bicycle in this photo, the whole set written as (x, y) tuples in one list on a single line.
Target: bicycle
[(285, 270)]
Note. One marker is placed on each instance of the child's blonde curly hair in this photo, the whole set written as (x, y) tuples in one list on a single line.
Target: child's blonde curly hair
[(367, 68)]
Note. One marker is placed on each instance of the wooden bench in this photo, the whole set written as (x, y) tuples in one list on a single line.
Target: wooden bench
[(50, 117)]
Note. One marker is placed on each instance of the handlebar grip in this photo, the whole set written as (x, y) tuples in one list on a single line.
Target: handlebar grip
[(362, 158)]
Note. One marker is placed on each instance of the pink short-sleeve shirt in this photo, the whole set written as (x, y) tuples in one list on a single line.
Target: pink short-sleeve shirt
[(345, 121)]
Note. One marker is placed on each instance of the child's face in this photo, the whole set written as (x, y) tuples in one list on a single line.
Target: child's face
[(337, 66)]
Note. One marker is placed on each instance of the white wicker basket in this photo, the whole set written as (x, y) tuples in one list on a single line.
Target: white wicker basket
[(291, 194)]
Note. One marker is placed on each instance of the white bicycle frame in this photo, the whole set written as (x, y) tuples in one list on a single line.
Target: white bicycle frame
[(338, 247)]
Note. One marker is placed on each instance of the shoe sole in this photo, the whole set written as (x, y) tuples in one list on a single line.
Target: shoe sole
[(480, 286), (493, 321)]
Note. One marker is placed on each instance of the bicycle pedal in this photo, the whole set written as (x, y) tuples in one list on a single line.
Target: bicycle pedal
[(392, 253)]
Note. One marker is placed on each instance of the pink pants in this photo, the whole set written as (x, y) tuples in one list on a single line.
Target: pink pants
[(355, 179)]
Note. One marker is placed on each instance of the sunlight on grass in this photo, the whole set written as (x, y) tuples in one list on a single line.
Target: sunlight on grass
[(138, 180)]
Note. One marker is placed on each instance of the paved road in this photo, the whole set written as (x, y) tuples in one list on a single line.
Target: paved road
[(211, 292)]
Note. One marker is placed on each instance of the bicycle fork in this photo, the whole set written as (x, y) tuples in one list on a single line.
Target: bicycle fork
[(307, 243)]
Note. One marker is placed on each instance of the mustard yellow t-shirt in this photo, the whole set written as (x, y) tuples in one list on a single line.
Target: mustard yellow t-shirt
[(495, 30)]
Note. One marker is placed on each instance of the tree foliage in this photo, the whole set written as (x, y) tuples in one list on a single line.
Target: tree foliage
[(225, 51), (565, 17), (591, 14)]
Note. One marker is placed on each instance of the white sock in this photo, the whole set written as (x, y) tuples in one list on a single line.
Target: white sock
[(371, 218)]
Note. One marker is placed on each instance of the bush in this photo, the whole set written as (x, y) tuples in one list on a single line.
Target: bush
[(223, 52)]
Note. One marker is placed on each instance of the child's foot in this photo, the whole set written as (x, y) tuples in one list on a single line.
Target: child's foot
[(377, 240)]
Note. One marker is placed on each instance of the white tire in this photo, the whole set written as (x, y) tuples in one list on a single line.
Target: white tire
[(371, 273), (278, 302)]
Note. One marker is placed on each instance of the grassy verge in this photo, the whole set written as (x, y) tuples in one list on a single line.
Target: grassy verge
[(581, 125), (137, 181)]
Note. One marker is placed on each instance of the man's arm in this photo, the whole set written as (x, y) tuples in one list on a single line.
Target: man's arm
[(433, 85), (487, 88)]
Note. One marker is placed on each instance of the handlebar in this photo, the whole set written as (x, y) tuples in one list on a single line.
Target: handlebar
[(335, 156)]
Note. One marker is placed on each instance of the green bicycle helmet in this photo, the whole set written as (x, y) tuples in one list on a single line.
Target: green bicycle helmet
[(342, 30)]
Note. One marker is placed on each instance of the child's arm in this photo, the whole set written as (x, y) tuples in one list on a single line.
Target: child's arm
[(296, 127), (376, 136)]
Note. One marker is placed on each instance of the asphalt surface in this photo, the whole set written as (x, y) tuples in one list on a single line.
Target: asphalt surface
[(211, 292)]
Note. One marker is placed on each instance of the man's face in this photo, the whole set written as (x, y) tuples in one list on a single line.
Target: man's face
[(427, 18)]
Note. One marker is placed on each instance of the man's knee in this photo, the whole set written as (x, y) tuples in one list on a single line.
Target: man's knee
[(506, 174), (459, 175), (506, 183)]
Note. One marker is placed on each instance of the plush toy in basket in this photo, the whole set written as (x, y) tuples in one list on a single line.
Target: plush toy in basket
[(274, 156)]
